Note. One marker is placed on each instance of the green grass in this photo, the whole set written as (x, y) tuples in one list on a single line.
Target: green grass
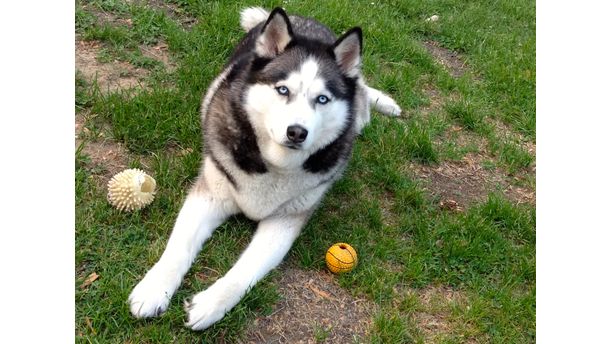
[(498, 40), (512, 155), (406, 244), (391, 328), (467, 114)]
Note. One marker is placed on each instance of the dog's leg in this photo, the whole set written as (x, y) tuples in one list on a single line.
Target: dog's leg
[(199, 216), (382, 102), (362, 106), (369, 97), (271, 242)]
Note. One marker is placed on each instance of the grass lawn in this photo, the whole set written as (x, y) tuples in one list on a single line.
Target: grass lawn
[(439, 203)]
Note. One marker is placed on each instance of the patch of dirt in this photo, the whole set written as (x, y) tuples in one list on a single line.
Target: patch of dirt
[(458, 184), (451, 60), (312, 303), (506, 132), (436, 99), (462, 183), (107, 155), (117, 74), (103, 17), (462, 138), (434, 318), (160, 53), (386, 205), (173, 11), (110, 76)]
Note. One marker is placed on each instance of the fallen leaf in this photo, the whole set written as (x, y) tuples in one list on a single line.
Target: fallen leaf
[(89, 280), (320, 292), (88, 322), (185, 151), (450, 204)]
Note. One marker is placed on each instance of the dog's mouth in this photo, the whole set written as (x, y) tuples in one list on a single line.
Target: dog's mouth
[(292, 145)]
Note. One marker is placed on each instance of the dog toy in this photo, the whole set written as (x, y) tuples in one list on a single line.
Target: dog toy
[(341, 258), (131, 190)]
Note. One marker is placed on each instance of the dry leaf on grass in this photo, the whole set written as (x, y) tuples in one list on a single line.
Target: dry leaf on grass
[(319, 292), (89, 280), (449, 204), (88, 322)]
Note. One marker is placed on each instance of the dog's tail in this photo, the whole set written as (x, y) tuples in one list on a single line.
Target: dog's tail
[(251, 16)]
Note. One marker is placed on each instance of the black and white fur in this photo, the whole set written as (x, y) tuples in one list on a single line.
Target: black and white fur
[(279, 125)]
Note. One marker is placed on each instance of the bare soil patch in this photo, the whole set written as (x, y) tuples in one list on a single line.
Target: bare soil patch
[(110, 76), (312, 303), (106, 155), (504, 131), (386, 205), (451, 60), (173, 11), (103, 17), (435, 320), (160, 53), (118, 74), (436, 99), (459, 184)]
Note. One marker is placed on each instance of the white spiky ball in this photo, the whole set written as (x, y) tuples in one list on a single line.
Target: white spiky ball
[(131, 190)]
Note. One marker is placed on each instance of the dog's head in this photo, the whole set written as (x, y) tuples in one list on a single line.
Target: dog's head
[(301, 93)]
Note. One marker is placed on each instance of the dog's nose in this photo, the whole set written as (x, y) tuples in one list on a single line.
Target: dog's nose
[(296, 133)]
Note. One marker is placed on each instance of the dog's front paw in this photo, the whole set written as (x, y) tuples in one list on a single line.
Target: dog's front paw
[(387, 106), (151, 296), (209, 306)]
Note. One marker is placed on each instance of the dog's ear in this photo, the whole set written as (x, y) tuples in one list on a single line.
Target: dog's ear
[(347, 51), (275, 34)]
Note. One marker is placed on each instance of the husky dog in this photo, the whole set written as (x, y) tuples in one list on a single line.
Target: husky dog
[(279, 124)]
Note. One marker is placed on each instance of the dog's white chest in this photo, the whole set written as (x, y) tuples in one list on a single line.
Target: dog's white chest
[(259, 196)]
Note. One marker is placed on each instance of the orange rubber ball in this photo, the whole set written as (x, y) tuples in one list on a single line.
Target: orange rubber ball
[(340, 258)]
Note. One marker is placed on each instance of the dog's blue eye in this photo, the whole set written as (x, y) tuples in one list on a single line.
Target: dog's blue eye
[(282, 90), (322, 99)]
